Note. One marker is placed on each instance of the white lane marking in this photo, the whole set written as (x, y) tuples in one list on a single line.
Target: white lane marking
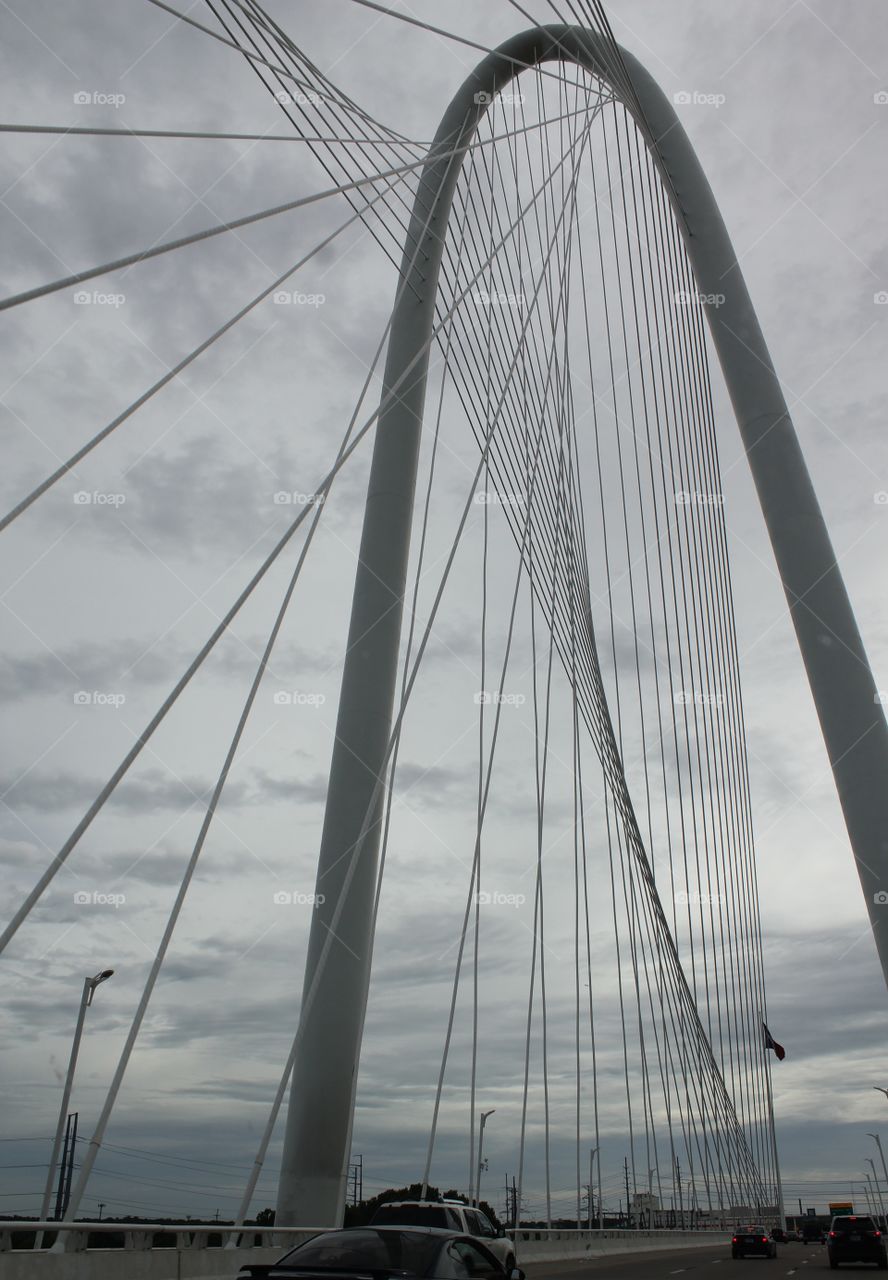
[(678, 1272)]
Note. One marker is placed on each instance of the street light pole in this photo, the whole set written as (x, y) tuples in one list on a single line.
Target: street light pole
[(89, 986), (870, 1197), (484, 1115)]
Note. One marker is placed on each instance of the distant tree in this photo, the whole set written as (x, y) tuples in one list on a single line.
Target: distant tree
[(265, 1218)]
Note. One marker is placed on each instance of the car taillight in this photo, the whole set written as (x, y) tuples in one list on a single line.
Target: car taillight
[(733, 1239), (832, 1235), (764, 1239)]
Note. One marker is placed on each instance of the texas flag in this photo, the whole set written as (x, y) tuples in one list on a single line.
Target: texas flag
[(771, 1043)]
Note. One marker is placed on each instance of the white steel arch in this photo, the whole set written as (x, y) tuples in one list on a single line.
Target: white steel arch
[(313, 1173)]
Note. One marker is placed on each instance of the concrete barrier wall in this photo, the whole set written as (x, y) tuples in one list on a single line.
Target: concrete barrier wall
[(224, 1264), (560, 1246)]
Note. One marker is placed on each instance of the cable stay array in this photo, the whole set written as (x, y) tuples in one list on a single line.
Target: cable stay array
[(570, 576)]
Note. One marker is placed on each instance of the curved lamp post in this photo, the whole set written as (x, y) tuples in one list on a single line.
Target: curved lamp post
[(89, 987)]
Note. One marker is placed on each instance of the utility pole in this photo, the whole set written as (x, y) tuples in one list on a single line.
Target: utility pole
[(356, 1179), (681, 1212), (628, 1202), (101, 1207), (512, 1203), (66, 1167)]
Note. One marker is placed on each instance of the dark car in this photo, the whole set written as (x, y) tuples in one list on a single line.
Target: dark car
[(752, 1241), (778, 1235), (856, 1238), (812, 1233), (427, 1253)]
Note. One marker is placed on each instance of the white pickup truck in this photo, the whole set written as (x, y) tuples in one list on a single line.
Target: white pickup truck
[(452, 1216)]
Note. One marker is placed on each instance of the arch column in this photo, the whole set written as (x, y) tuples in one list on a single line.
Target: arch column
[(319, 1120)]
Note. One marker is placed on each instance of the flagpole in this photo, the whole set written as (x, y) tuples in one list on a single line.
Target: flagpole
[(780, 1206)]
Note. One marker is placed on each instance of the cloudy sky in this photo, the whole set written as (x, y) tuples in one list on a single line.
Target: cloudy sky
[(112, 597)]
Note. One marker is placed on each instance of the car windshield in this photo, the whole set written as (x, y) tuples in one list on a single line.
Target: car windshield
[(847, 1225), (367, 1250)]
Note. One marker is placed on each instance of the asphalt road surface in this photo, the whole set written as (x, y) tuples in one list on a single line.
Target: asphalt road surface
[(691, 1264)]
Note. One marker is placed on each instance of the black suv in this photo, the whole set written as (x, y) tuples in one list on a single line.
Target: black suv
[(854, 1238)]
